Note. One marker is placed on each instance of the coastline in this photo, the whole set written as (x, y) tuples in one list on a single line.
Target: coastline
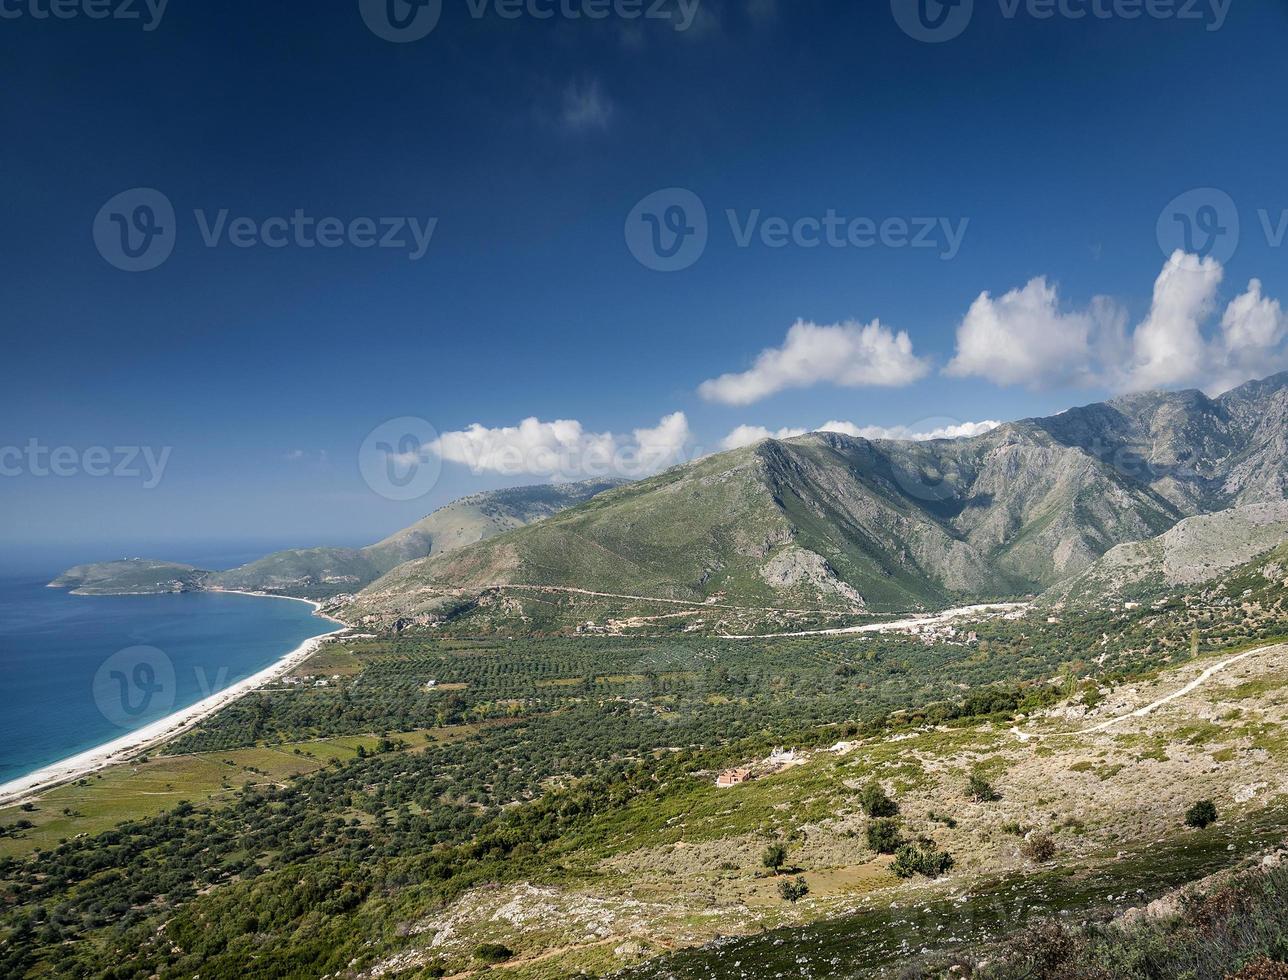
[(130, 744)]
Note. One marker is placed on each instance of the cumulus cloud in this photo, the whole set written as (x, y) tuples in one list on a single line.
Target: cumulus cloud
[(1027, 337), (1024, 337), (848, 354), (564, 449), (747, 435), (1168, 347), (1253, 340)]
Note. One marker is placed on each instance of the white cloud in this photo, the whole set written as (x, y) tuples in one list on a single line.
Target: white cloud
[(747, 435), (1253, 340), (563, 449), (1168, 347), (663, 445), (847, 354), (586, 107), (1026, 338), (903, 433)]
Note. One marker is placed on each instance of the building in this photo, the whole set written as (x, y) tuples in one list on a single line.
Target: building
[(732, 777)]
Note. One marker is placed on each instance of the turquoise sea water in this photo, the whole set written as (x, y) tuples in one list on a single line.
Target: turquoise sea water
[(79, 671)]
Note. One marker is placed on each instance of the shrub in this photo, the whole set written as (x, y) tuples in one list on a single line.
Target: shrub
[(981, 790), (1201, 814), (793, 891), (884, 836), (913, 859), (493, 953), (1038, 847), (875, 803)]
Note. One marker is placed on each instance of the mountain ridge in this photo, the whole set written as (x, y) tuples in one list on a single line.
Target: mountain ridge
[(322, 573), (851, 524)]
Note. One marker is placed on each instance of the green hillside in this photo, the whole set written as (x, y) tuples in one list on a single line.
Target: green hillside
[(138, 576), (830, 522)]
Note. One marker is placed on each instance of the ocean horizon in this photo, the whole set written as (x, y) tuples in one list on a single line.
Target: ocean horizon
[(81, 671)]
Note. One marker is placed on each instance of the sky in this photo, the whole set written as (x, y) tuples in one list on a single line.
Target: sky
[(299, 273)]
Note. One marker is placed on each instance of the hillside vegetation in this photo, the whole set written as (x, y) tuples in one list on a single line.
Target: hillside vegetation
[(830, 522)]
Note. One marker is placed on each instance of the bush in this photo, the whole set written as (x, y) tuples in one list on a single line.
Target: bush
[(493, 953), (912, 860), (793, 891), (875, 803), (1038, 847), (884, 836), (1201, 814), (981, 790)]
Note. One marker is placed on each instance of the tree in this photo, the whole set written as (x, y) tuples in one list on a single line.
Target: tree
[(875, 803), (793, 891), (775, 856), (1201, 814), (981, 790), (884, 836)]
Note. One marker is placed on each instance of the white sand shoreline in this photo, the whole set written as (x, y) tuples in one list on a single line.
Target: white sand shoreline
[(132, 743)]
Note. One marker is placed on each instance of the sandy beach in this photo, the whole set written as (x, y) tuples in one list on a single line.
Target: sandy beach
[(132, 743)]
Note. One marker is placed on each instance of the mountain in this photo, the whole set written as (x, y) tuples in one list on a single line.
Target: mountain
[(321, 573), (1197, 550), (837, 523)]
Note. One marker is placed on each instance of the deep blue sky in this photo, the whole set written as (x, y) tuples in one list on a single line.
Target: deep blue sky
[(1061, 141)]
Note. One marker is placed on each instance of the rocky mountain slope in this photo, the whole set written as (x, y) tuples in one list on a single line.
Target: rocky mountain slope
[(1197, 550), (848, 524), (325, 572)]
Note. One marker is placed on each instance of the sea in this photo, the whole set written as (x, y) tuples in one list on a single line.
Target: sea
[(77, 672)]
